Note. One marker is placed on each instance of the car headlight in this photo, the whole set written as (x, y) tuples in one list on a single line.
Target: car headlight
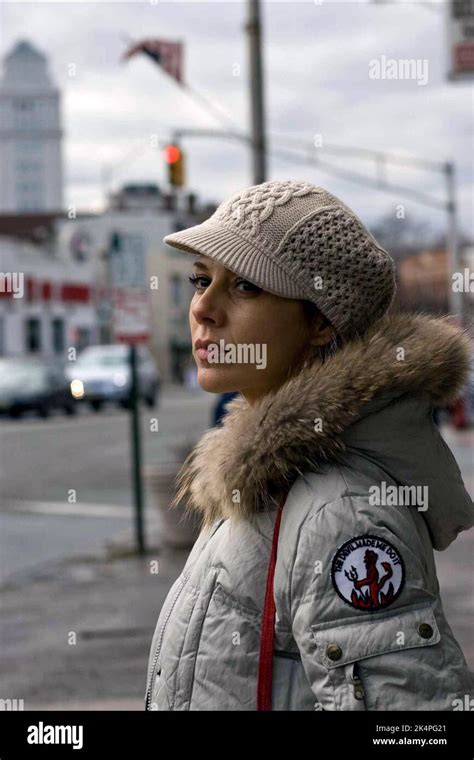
[(77, 388), (120, 379)]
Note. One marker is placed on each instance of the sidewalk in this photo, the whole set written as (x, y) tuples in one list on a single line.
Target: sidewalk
[(77, 634)]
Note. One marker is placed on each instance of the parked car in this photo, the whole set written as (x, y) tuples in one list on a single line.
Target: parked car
[(34, 384), (102, 373)]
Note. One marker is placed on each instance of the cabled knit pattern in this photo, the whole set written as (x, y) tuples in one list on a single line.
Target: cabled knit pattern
[(256, 204), (298, 240)]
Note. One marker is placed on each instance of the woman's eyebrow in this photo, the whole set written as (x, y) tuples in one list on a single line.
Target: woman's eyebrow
[(200, 265)]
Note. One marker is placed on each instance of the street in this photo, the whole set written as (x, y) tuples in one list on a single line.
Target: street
[(44, 460)]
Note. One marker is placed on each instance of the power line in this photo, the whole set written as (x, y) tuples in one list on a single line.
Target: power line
[(375, 183)]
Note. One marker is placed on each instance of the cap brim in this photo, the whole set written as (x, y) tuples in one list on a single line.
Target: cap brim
[(237, 254)]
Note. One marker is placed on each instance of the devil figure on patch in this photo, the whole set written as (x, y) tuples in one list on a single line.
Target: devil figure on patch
[(368, 573), (374, 596)]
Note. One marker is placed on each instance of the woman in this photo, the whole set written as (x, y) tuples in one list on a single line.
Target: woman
[(312, 584)]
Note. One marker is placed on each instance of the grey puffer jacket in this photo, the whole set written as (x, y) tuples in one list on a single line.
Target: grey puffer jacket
[(359, 620)]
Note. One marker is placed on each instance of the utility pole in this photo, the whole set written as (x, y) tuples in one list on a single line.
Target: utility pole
[(253, 28), (136, 450), (456, 300)]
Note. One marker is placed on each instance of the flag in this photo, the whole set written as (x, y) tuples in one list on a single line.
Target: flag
[(168, 55)]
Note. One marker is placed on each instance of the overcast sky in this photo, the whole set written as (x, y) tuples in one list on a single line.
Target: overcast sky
[(316, 70)]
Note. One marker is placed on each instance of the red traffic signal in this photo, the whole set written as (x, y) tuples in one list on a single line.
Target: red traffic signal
[(172, 154), (174, 157)]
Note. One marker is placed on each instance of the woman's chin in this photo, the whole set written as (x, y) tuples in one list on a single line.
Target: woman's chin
[(217, 379)]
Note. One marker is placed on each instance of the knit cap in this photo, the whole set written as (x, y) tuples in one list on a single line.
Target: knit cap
[(297, 240)]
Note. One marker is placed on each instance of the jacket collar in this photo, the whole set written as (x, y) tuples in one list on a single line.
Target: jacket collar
[(239, 468)]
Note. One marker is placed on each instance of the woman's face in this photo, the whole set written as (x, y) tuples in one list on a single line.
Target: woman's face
[(256, 337)]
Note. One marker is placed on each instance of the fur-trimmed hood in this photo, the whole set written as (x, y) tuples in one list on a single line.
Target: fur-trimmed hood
[(261, 449)]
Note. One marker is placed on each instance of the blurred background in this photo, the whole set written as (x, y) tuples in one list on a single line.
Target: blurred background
[(120, 123)]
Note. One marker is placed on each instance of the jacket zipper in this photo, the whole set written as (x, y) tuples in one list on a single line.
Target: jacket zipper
[(162, 629), (359, 692), (160, 638)]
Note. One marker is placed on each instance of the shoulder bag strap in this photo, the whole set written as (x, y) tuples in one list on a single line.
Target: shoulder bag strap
[(267, 634)]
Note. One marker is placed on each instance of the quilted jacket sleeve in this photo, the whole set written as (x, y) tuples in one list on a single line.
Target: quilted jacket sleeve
[(366, 613)]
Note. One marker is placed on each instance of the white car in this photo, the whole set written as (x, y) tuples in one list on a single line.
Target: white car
[(102, 373)]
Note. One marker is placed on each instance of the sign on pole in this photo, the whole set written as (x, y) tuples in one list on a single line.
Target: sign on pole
[(131, 316), (460, 38), (131, 324), (131, 304)]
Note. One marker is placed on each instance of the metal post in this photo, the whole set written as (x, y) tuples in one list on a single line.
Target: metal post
[(253, 28), (456, 300), (136, 451)]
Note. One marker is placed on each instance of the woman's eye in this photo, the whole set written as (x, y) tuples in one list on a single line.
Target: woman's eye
[(249, 287), (200, 282), (196, 281)]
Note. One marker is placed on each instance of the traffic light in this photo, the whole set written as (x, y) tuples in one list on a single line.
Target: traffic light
[(174, 157)]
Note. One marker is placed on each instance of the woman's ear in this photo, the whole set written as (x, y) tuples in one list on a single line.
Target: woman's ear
[(321, 331)]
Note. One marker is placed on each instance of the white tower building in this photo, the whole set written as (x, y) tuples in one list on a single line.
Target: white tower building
[(31, 177)]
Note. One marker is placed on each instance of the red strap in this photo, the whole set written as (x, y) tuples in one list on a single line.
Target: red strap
[(265, 665)]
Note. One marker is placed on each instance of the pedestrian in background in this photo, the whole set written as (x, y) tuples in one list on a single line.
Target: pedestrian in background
[(220, 408), (312, 584)]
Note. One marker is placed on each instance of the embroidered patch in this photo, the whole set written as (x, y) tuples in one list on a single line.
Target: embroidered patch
[(368, 573)]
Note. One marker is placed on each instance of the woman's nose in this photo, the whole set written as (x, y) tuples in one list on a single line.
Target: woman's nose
[(208, 308)]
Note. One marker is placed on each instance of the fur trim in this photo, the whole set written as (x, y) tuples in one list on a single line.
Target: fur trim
[(261, 449)]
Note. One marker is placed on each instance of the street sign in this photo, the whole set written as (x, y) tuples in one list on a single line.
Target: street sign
[(131, 316), (131, 321), (461, 38)]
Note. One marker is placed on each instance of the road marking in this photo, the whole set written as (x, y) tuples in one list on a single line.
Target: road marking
[(84, 418), (80, 509), (58, 424)]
